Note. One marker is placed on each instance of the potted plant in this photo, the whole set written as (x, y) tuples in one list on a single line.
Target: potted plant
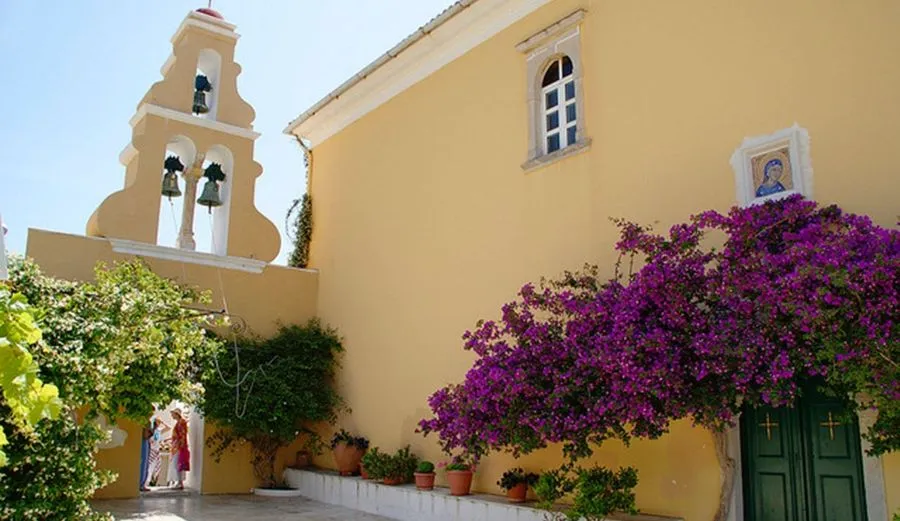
[(400, 467), (372, 463), (348, 451), (459, 475), (313, 446), (516, 482), (424, 475)]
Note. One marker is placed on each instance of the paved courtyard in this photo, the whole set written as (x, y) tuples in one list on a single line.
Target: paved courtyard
[(228, 508)]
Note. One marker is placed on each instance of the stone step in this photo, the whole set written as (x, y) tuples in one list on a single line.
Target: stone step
[(406, 503)]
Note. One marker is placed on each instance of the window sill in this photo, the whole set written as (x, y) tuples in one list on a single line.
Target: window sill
[(546, 159)]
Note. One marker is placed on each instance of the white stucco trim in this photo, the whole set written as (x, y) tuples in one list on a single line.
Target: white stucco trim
[(393, 74), (537, 40), (175, 115), (207, 23), (796, 138), (873, 473), (154, 251)]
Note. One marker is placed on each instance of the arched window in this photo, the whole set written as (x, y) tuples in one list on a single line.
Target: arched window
[(560, 111)]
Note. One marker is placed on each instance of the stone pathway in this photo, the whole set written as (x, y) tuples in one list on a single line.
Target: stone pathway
[(227, 508)]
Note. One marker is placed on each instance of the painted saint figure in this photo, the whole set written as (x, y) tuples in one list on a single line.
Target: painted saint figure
[(771, 183), (180, 451)]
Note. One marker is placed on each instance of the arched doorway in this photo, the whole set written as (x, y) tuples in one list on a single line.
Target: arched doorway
[(802, 463)]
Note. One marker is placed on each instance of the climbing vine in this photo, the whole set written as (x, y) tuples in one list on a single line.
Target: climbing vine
[(301, 231)]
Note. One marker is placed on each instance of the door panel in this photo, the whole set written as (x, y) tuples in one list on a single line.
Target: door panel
[(802, 463), (769, 436), (834, 460)]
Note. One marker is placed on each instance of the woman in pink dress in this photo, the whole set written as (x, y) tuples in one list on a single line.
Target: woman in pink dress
[(179, 449)]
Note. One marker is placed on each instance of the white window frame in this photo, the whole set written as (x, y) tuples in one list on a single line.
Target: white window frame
[(542, 49), (561, 107)]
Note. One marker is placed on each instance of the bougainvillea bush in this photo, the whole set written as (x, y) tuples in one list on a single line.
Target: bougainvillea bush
[(792, 291)]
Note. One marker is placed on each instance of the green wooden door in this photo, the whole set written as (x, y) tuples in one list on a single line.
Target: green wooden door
[(802, 463)]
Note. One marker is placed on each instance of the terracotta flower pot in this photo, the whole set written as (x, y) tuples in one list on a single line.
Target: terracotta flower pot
[(460, 482), (518, 493), (393, 481), (425, 481), (362, 472), (347, 457), (303, 459)]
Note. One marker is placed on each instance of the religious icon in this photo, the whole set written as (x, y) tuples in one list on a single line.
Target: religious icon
[(772, 172)]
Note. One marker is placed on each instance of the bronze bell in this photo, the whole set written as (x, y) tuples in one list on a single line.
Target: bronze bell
[(170, 185), (200, 102), (210, 196)]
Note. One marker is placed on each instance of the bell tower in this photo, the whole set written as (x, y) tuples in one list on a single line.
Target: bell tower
[(193, 127)]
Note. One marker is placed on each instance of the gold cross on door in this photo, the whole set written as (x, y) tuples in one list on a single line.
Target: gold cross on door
[(831, 424), (768, 424)]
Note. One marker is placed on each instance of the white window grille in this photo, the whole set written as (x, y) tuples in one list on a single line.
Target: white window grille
[(560, 122)]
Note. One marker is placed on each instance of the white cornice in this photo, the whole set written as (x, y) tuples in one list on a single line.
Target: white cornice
[(540, 37), (430, 49), (207, 23), (154, 251), (168, 113)]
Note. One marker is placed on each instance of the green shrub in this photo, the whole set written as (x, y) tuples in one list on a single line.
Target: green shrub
[(551, 486), (425, 467), (516, 476), (113, 346), (374, 462), (269, 392), (401, 465), (600, 491)]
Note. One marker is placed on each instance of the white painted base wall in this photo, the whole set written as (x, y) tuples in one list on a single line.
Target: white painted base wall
[(405, 503)]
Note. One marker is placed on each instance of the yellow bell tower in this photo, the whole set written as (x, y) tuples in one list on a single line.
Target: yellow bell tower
[(190, 125)]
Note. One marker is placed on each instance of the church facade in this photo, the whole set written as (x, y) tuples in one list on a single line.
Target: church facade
[(491, 147)]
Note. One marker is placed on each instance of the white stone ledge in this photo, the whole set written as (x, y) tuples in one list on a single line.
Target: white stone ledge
[(406, 503)]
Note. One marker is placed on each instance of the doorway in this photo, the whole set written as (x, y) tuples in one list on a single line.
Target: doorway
[(161, 469), (802, 463)]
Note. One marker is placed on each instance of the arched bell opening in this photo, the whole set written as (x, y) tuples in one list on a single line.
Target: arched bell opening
[(214, 200), (180, 155), (206, 84)]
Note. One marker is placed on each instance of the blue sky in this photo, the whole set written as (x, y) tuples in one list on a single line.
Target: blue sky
[(73, 73)]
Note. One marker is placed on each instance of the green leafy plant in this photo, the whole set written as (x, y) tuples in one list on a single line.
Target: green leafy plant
[(269, 392), (516, 476), (26, 397), (202, 84), (458, 463), (111, 347), (551, 486), (343, 436), (425, 467), (374, 462), (301, 231), (401, 465), (600, 491)]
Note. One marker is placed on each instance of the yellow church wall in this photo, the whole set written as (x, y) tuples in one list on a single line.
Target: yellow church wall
[(892, 481), (278, 294), (425, 222)]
